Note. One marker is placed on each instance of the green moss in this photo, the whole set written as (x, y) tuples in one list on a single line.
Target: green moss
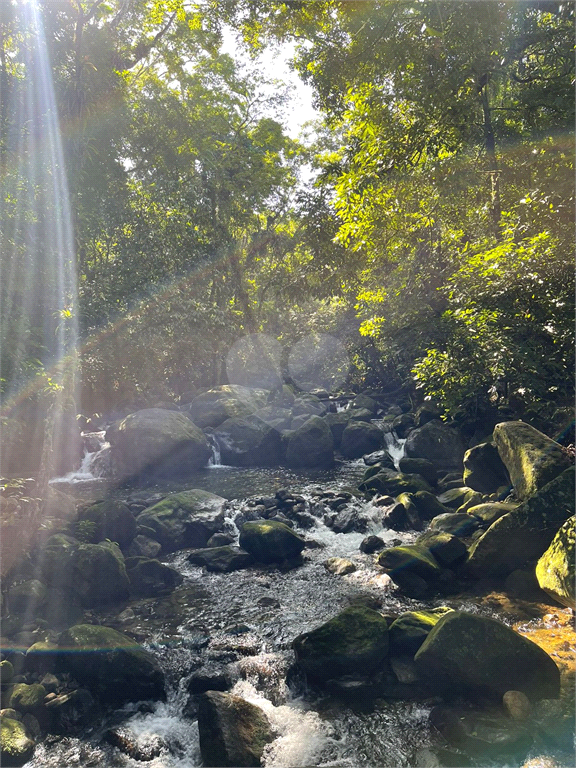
[(410, 558), (555, 569), (27, 698), (410, 629), (17, 746)]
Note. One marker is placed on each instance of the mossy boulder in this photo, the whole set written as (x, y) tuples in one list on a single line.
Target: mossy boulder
[(248, 442), (6, 673), (438, 442), (157, 442), (112, 520), (100, 574), (428, 505), (359, 438), (410, 558), (233, 732), (531, 458), (354, 641), (269, 541), (555, 569), (457, 523), (311, 445), (27, 598), (185, 519), (470, 655), (487, 513), (410, 629), (221, 559), (17, 745), (446, 548), (58, 561), (456, 497), (212, 408), (422, 467), (484, 470), (111, 665), (337, 423), (388, 481), (525, 533), (26, 698), (150, 578)]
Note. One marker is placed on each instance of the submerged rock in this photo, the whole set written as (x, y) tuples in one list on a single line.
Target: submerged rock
[(476, 656), (555, 569), (531, 458), (270, 542), (356, 640), (233, 732)]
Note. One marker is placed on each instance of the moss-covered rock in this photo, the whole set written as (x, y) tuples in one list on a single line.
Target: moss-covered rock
[(27, 598), (17, 746), (27, 698), (221, 559), (269, 541), (111, 520), (360, 437), (388, 481), (111, 665), (185, 519), (456, 523), (232, 731), (422, 467), (438, 442), (531, 458), (6, 673), (337, 423), (476, 656), (212, 408), (446, 548), (248, 442), (58, 561), (150, 578), (412, 514), (409, 558), (555, 569), (410, 630), (526, 532), (311, 445), (484, 470), (157, 442), (354, 641), (489, 512), (456, 497), (428, 505), (100, 574)]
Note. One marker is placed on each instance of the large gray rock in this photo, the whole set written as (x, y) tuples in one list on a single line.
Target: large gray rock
[(555, 569), (531, 458), (221, 559), (112, 520), (484, 470), (354, 641), (212, 408), (232, 731), (185, 519), (439, 443), (312, 445), (150, 578), (524, 533), (248, 442), (269, 541), (360, 437), (157, 442), (111, 665), (476, 656)]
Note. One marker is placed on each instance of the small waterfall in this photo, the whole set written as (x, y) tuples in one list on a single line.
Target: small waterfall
[(394, 446), (216, 458), (95, 463)]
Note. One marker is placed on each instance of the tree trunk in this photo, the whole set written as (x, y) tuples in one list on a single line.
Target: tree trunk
[(493, 169)]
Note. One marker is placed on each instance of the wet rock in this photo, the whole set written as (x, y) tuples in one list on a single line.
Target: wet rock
[(419, 467), (446, 548), (72, 711), (395, 518), (212, 677), (142, 546), (348, 520), (41, 657), (531, 458), (517, 705), (476, 656), (412, 515), (110, 520), (248, 441), (339, 566), (438, 442), (270, 542), (360, 437), (213, 407), (555, 569), (526, 532), (221, 559), (27, 698), (484, 470), (410, 629), (524, 585), (356, 640), (111, 665), (410, 558), (403, 424), (455, 497), (371, 544), (312, 445), (220, 540), (380, 458), (457, 524), (151, 578), (233, 732), (337, 423), (364, 401), (27, 598), (142, 749), (394, 483), (489, 512), (17, 746), (100, 574), (157, 442), (186, 519), (6, 673), (428, 505), (471, 500)]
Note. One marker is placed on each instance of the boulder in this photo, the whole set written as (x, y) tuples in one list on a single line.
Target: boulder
[(308, 405), (100, 574), (525, 533), (143, 546), (232, 731), (221, 559), (364, 401), (409, 558), (339, 566), (412, 515), (312, 445), (555, 569), (531, 458), (456, 523), (456, 497), (27, 598), (72, 711), (58, 561), (16, 743), (157, 442), (389, 481), (150, 578), (438, 442), (337, 423), (428, 505), (356, 640), (112, 666), (476, 656), (446, 548), (484, 470), (360, 437), (185, 519), (410, 629), (248, 441), (371, 544), (269, 541), (213, 407), (491, 511), (403, 424), (112, 520), (27, 698), (419, 467)]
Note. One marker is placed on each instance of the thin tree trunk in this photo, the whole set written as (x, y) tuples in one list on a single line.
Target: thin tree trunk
[(494, 171)]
